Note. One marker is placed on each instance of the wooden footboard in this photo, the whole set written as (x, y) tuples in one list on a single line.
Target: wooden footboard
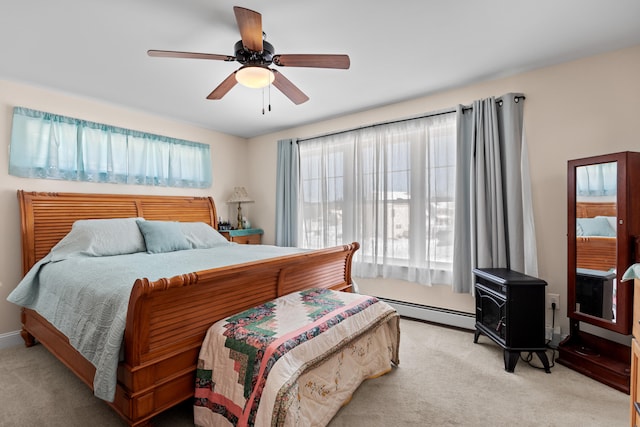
[(168, 318)]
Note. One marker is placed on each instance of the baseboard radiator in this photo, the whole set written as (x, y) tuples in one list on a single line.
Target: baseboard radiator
[(427, 313)]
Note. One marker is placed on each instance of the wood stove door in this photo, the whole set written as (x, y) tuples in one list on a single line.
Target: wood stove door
[(491, 312)]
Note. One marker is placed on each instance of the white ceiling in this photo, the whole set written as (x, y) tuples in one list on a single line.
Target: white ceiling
[(399, 50)]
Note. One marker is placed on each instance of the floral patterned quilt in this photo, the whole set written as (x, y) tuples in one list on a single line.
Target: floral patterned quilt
[(250, 363)]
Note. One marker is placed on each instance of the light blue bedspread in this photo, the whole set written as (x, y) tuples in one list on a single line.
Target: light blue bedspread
[(87, 297)]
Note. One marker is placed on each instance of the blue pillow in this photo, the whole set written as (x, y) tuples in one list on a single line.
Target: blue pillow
[(598, 226), (100, 237), (163, 236)]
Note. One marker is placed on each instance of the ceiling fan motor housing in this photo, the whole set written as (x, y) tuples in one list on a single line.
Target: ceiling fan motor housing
[(251, 57)]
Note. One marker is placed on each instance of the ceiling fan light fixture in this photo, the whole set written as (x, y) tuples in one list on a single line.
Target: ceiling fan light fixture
[(255, 76)]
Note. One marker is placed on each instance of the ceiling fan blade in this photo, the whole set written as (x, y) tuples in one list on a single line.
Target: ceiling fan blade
[(316, 61), (223, 87), (250, 25), (289, 89), (190, 55)]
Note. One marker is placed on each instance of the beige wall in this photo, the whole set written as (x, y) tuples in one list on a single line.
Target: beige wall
[(227, 153), (572, 110)]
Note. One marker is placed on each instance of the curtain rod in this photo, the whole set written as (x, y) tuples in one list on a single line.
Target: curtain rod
[(391, 122)]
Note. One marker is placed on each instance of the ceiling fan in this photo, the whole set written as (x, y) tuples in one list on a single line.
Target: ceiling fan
[(256, 55)]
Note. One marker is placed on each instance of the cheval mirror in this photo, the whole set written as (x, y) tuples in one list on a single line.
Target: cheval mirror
[(603, 218)]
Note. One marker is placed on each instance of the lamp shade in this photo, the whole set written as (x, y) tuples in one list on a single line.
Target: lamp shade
[(254, 76), (239, 195)]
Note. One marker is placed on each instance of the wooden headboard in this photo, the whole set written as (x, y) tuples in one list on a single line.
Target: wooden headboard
[(47, 217), (591, 210)]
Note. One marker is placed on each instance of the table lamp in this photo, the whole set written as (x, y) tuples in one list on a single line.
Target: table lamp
[(240, 196)]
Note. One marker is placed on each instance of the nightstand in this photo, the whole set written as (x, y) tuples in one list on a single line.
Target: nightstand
[(247, 236)]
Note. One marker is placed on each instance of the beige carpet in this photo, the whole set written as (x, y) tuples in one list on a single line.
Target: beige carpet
[(444, 379)]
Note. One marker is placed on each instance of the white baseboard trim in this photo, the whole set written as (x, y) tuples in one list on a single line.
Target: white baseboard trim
[(432, 314), (10, 339)]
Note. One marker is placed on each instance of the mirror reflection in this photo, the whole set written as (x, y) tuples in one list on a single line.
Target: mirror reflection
[(596, 225)]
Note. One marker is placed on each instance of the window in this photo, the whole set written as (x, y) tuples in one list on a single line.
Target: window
[(50, 146), (597, 180), (389, 187)]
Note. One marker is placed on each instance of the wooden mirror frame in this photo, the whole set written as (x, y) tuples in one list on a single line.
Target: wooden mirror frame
[(628, 226)]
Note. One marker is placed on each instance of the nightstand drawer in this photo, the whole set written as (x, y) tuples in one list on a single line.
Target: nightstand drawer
[(248, 236), (251, 239)]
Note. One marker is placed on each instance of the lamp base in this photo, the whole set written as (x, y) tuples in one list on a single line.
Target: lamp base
[(240, 225)]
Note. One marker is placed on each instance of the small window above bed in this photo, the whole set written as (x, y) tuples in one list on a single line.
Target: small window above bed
[(49, 146)]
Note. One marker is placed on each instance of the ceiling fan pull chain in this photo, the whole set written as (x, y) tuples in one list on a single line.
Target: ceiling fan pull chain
[(269, 96), (263, 101)]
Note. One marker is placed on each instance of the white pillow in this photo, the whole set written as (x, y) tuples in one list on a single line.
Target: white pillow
[(202, 236), (100, 237)]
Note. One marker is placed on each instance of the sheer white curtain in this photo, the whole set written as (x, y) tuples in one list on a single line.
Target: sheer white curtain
[(389, 187)]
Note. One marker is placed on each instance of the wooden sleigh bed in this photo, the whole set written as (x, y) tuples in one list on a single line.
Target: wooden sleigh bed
[(167, 318)]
